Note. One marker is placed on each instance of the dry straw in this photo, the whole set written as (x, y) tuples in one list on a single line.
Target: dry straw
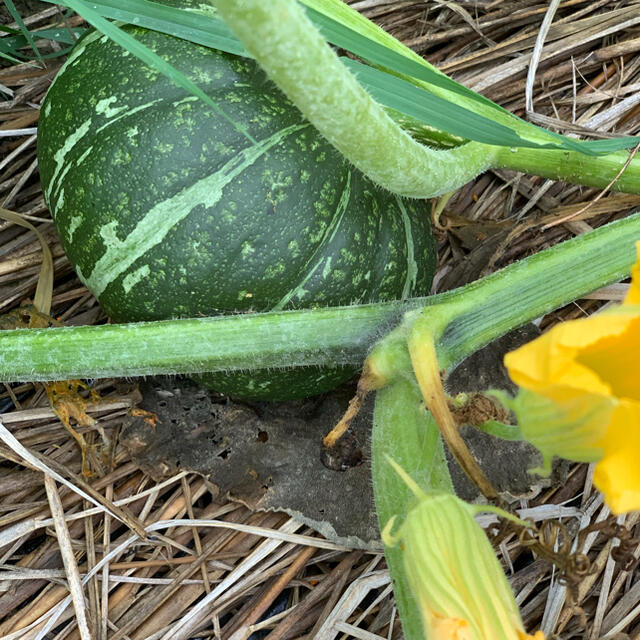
[(196, 578)]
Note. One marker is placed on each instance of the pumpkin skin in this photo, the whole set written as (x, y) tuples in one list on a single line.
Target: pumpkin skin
[(166, 210)]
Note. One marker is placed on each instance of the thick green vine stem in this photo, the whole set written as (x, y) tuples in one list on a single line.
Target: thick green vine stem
[(532, 287), (462, 321), (298, 59), (195, 345), (576, 167), (402, 428)]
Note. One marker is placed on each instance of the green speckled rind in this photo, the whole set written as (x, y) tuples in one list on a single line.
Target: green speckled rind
[(166, 210), (284, 384)]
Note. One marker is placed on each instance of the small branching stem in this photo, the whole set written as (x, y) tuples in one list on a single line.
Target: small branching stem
[(369, 381), (425, 366)]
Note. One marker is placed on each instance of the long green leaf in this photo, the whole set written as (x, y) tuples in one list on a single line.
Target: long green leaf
[(6, 56), (23, 28), (415, 69), (407, 98), (344, 36), (204, 28), (12, 43), (195, 26), (6, 29), (377, 53)]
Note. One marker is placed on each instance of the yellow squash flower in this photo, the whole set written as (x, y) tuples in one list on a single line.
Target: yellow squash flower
[(456, 580), (580, 396)]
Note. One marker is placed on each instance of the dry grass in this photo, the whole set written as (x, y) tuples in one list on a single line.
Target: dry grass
[(210, 568)]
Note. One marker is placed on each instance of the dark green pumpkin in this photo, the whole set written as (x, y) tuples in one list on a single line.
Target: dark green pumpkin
[(166, 210)]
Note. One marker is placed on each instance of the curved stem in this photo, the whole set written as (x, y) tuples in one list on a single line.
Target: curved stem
[(338, 10), (298, 59)]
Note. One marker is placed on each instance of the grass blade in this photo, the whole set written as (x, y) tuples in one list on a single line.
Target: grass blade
[(355, 33), (195, 26), (368, 48), (23, 28), (6, 56), (413, 101), (11, 43), (344, 36)]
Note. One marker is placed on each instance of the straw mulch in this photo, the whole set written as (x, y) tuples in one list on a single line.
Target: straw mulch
[(210, 568)]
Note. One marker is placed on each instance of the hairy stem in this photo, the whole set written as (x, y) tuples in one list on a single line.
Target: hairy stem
[(298, 59), (405, 431), (467, 318), (223, 343), (532, 287), (572, 166)]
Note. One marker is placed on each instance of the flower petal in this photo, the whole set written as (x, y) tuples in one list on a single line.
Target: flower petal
[(580, 396), (614, 359), (617, 475), (633, 295), (554, 358), (450, 629)]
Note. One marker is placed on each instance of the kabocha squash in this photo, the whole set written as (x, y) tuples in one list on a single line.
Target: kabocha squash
[(165, 209)]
